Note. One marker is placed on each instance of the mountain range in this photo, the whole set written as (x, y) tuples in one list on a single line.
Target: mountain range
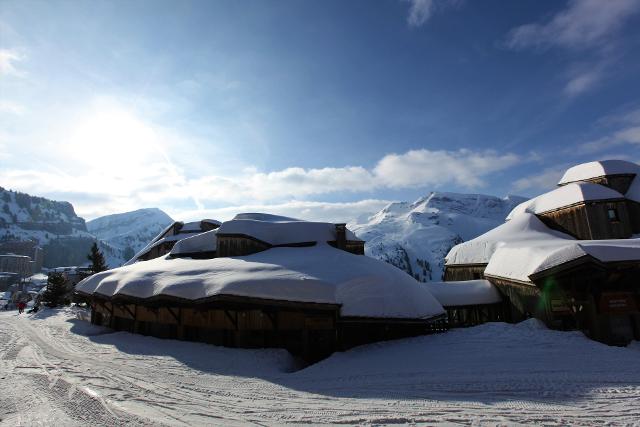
[(66, 238), (415, 237)]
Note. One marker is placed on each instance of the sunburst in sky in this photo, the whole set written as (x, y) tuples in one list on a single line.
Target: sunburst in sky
[(314, 109)]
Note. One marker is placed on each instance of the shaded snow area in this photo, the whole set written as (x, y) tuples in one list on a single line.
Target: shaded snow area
[(322, 274), (416, 236), (59, 370)]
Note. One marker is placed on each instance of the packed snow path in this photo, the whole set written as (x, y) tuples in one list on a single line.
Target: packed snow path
[(58, 370)]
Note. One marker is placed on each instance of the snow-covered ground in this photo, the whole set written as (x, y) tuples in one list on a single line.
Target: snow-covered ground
[(56, 369)]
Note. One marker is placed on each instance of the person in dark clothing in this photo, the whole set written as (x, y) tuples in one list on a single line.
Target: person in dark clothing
[(21, 306)]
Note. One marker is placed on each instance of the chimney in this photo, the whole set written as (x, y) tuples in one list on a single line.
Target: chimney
[(341, 236)]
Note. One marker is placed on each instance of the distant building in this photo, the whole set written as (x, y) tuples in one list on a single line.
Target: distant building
[(570, 257), (27, 248), (19, 264)]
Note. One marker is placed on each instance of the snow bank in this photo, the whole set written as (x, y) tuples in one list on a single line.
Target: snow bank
[(203, 242), (566, 195), (597, 169), (470, 292), (363, 286), (283, 232)]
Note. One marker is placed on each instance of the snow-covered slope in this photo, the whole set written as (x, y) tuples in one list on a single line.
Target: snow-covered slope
[(416, 236), (126, 233), (54, 225), (66, 238)]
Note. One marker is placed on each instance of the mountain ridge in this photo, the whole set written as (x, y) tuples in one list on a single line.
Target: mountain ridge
[(415, 237), (66, 237)]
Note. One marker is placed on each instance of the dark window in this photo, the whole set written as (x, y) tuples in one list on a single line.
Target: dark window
[(477, 275), (612, 213)]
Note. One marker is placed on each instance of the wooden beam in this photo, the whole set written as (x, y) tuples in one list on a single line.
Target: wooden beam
[(124, 306), (234, 321), (174, 314)]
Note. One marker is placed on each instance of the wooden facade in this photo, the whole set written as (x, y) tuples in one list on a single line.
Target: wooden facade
[(309, 330), (177, 228), (462, 272), (242, 245), (595, 220), (634, 214), (472, 315), (600, 299)]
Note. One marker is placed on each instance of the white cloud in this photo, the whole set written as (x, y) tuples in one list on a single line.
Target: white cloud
[(421, 10), (8, 59), (357, 211), (625, 130), (540, 182), (465, 168), (583, 24), (582, 82), (11, 108), (108, 158)]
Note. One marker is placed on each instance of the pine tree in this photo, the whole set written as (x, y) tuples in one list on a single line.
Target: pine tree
[(98, 263), (57, 292)]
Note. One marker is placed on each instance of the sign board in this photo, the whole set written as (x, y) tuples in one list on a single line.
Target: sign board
[(559, 306), (617, 302)]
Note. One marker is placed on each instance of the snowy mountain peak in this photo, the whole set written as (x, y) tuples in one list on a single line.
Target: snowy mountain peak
[(126, 233), (416, 236)]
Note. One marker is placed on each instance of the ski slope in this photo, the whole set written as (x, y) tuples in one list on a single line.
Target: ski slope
[(58, 370)]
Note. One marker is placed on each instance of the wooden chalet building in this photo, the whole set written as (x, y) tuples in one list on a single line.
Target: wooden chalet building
[(568, 257), (164, 242), (271, 282)]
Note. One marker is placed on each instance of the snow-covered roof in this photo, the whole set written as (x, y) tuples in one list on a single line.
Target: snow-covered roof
[(197, 225), (469, 292), (566, 195), (523, 259), (525, 246), (283, 231), (597, 169), (187, 230), (364, 287), (525, 227), (203, 242)]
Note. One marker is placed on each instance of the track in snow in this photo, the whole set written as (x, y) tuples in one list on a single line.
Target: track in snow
[(59, 370)]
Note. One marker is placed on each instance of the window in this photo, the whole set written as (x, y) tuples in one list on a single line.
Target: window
[(612, 214)]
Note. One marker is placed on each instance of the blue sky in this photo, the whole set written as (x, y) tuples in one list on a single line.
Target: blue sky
[(320, 109)]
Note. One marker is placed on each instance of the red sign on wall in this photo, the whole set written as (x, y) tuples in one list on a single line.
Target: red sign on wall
[(617, 302)]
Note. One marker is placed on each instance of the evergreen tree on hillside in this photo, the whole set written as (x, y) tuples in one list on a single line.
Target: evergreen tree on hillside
[(57, 292), (96, 257)]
